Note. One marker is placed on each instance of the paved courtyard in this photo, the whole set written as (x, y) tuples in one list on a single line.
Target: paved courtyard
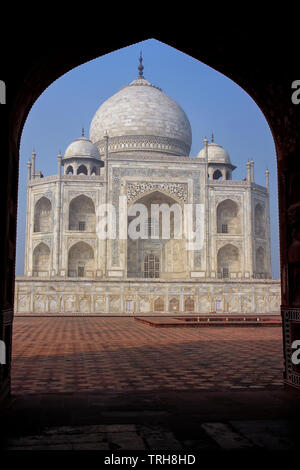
[(54, 355)]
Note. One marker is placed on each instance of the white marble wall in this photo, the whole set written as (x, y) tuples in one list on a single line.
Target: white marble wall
[(139, 297)]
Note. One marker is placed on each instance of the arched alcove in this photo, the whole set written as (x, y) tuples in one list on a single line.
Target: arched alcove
[(41, 260), (228, 219), (81, 262), (156, 219), (228, 261), (221, 58), (82, 214), (43, 215), (69, 170), (82, 170), (260, 262), (217, 175), (259, 221)]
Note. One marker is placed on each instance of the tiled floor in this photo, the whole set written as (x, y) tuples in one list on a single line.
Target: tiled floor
[(53, 355)]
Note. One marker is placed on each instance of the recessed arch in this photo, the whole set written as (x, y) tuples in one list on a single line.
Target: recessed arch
[(69, 170), (228, 260), (217, 175), (82, 170), (43, 215), (228, 218), (159, 305), (82, 214), (216, 59), (81, 260), (41, 260), (259, 220), (260, 262)]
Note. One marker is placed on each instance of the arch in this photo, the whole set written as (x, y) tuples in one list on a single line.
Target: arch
[(217, 174), (259, 220), (81, 262), (69, 170), (189, 304), (82, 170), (174, 305), (94, 171), (228, 219), (155, 228), (159, 305), (42, 215), (82, 214), (62, 59), (228, 261), (41, 260), (260, 261)]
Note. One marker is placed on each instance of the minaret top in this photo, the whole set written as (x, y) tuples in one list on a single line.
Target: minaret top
[(141, 67)]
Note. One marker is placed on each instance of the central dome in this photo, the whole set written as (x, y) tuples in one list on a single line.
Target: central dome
[(141, 117)]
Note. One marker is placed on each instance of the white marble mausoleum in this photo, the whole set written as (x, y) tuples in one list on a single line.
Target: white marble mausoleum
[(132, 172)]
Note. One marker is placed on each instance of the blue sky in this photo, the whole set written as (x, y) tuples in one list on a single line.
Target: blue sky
[(212, 102)]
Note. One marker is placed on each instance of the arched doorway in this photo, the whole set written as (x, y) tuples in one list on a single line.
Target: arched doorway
[(48, 68)]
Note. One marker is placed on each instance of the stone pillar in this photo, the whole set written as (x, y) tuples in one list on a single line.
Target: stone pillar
[(59, 159), (57, 222), (207, 218), (252, 171), (267, 173), (33, 164), (29, 171), (248, 171)]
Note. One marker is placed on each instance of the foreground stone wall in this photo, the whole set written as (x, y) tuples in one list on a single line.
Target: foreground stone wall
[(143, 298)]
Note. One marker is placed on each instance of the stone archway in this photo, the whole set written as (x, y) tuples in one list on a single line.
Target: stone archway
[(81, 262), (82, 214), (228, 219), (30, 70), (42, 215), (159, 219), (41, 260)]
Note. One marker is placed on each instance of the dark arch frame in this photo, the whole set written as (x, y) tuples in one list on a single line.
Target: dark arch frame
[(28, 71)]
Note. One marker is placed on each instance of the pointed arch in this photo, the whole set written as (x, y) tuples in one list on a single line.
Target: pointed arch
[(259, 220), (228, 218), (228, 261), (82, 214), (82, 170), (41, 260), (43, 215), (81, 261)]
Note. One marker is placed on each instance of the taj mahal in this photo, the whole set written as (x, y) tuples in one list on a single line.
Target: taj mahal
[(137, 157)]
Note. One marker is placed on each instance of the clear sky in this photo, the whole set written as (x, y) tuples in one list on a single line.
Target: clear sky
[(212, 102)]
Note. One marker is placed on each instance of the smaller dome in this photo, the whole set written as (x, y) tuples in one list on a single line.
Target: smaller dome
[(83, 148), (216, 154)]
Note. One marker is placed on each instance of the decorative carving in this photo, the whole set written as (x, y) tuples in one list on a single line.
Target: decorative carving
[(223, 197), (90, 194), (136, 189), (143, 142)]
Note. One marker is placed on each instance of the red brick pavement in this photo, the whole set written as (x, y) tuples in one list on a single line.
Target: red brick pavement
[(92, 354)]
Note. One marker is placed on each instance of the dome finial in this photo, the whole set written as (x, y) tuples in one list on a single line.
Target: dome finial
[(82, 132), (212, 137), (141, 67)]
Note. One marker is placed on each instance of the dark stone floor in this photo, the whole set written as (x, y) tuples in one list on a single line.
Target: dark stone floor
[(178, 421)]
